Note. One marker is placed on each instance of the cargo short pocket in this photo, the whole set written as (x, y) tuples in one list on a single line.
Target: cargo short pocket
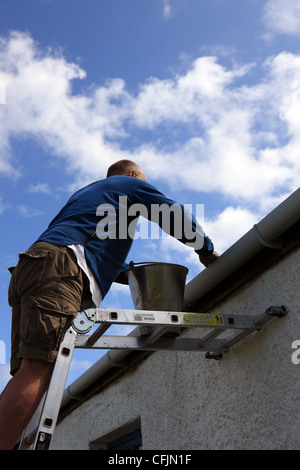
[(30, 269), (70, 279), (51, 328), (43, 327)]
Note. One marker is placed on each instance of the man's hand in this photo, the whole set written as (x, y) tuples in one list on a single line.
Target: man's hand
[(208, 260)]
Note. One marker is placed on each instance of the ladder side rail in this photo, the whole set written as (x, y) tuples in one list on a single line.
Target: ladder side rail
[(29, 433), (43, 425), (164, 318)]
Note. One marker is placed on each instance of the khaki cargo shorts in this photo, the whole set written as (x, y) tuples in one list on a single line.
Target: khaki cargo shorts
[(45, 294)]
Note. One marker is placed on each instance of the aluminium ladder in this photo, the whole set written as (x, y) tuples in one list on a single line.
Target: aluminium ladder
[(157, 331)]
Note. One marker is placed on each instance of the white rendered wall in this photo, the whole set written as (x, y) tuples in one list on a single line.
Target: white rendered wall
[(248, 400)]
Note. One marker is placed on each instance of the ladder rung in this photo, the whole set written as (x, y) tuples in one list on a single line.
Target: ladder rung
[(161, 344), (213, 334), (98, 333)]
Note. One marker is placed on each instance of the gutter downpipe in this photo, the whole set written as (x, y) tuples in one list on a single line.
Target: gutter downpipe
[(264, 234)]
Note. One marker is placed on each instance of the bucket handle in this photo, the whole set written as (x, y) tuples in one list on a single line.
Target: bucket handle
[(132, 264)]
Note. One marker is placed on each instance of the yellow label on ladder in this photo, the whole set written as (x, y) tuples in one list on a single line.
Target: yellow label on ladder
[(203, 319)]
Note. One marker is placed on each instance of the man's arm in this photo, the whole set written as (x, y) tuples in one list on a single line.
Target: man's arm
[(148, 195), (173, 218)]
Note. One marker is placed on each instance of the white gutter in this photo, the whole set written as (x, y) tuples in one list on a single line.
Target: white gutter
[(265, 233)]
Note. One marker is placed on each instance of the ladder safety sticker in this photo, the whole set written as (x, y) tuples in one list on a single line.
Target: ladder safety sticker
[(203, 319), (142, 317)]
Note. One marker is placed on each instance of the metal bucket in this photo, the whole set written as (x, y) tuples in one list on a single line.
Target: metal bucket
[(157, 286)]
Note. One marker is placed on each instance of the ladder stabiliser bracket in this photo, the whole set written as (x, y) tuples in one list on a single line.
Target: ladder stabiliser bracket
[(156, 329)]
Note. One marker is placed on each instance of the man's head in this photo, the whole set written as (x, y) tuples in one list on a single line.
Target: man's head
[(126, 168)]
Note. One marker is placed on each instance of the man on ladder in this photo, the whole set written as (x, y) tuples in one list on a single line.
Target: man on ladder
[(70, 267)]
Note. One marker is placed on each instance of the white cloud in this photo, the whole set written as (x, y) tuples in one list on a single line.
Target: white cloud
[(3, 206), (282, 16), (39, 188), (40, 103), (209, 129), (166, 8), (241, 147), (28, 212), (228, 226), (187, 97)]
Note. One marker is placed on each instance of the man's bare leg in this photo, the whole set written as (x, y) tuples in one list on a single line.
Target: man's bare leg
[(20, 399)]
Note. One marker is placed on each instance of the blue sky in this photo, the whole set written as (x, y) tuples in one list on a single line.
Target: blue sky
[(205, 96)]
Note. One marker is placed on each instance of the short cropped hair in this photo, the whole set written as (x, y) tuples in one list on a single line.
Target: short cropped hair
[(122, 167)]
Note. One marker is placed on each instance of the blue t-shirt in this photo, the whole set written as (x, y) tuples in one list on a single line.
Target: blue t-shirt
[(98, 217)]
